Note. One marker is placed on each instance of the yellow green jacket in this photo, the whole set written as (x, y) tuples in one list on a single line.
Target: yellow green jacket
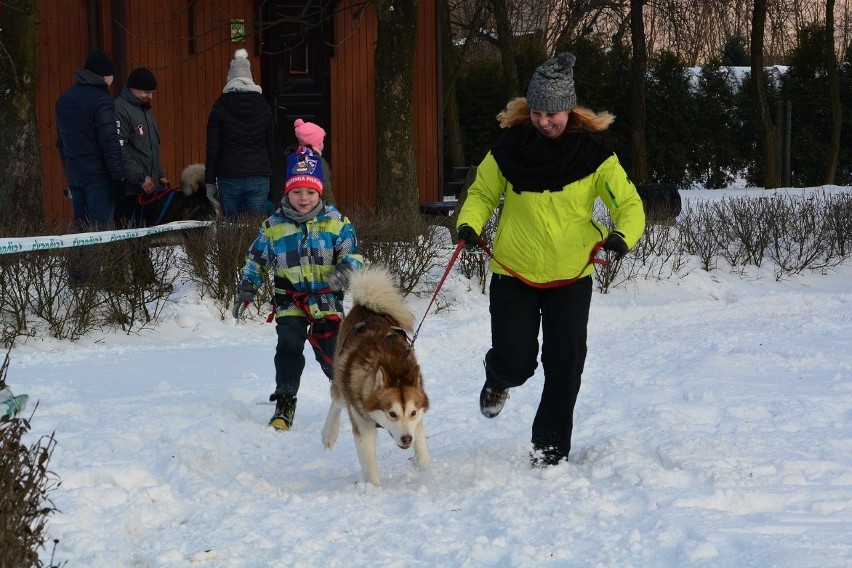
[(549, 235)]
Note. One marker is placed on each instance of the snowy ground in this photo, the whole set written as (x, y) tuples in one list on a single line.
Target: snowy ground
[(714, 428)]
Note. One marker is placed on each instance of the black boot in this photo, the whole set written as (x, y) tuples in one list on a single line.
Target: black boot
[(492, 400), (285, 409)]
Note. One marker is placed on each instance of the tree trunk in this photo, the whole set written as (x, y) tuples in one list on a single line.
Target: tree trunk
[(834, 93), (454, 148), (765, 128), (507, 47), (20, 160), (638, 71), (395, 45)]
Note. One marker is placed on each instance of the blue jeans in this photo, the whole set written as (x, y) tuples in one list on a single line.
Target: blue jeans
[(244, 195), (94, 205)]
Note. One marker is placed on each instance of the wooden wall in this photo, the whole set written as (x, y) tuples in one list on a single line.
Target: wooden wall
[(353, 104), (187, 45), (62, 26), (188, 49)]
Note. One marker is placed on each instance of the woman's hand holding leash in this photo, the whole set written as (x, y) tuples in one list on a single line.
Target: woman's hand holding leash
[(469, 236), (615, 244)]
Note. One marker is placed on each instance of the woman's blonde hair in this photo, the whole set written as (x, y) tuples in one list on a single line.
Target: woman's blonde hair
[(517, 111)]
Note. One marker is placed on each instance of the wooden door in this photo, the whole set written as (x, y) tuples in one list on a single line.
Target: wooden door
[(296, 51)]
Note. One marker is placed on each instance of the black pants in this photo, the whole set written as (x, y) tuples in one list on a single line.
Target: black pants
[(518, 311), (136, 251), (289, 353)]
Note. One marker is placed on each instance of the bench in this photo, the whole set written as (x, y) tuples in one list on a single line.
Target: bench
[(457, 180)]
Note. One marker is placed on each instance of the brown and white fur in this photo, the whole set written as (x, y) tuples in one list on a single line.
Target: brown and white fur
[(376, 375)]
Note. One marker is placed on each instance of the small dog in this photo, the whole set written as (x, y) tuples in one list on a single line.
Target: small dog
[(376, 375), (191, 203)]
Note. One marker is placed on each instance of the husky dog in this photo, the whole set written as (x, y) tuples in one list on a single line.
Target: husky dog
[(376, 375)]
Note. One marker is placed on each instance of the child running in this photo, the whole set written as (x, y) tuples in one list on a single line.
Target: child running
[(312, 249)]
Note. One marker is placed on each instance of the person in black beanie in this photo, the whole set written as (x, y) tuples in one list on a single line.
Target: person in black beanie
[(548, 169), (140, 149), (88, 146), (140, 142)]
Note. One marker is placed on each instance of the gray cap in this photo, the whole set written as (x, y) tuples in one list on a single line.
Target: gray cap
[(552, 86), (240, 66)]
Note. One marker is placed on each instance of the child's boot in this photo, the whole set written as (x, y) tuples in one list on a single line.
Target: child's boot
[(285, 409)]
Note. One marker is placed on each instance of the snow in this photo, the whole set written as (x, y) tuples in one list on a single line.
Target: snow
[(714, 428)]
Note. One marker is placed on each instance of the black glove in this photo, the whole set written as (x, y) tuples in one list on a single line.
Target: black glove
[(338, 279), (469, 236), (245, 296), (615, 244)]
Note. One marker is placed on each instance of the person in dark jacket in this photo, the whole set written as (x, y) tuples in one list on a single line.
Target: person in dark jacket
[(238, 167), (140, 150), (87, 141), (140, 143)]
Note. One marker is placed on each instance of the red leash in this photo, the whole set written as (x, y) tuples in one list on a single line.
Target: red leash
[(441, 283), (161, 192), (593, 259)]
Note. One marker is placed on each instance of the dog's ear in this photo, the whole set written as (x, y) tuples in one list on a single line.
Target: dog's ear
[(380, 378)]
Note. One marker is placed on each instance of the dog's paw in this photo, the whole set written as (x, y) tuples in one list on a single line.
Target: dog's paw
[(331, 428), (372, 478), (422, 458), (329, 436)]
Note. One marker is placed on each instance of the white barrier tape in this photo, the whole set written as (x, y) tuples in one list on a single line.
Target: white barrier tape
[(23, 244)]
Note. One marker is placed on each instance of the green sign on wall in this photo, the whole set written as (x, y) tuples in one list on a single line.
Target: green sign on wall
[(238, 30)]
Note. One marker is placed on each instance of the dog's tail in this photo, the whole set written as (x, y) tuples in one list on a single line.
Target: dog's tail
[(373, 288)]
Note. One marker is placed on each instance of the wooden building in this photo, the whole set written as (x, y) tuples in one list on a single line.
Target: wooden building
[(314, 60)]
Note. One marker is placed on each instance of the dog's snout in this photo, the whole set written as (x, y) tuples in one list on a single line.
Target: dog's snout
[(405, 440)]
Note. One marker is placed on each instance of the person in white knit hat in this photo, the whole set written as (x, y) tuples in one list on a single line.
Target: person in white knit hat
[(238, 167)]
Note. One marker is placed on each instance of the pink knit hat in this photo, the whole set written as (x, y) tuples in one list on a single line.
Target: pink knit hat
[(309, 134)]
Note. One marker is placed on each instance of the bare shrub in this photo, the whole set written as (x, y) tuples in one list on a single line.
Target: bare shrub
[(742, 229), (25, 487), (605, 275), (215, 255), (68, 311), (838, 224), (659, 251), (697, 236), (406, 243), (13, 299), (137, 281), (798, 233)]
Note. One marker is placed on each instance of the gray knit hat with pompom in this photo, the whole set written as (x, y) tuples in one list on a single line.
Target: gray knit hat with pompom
[(552, 86), (240, 66)]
